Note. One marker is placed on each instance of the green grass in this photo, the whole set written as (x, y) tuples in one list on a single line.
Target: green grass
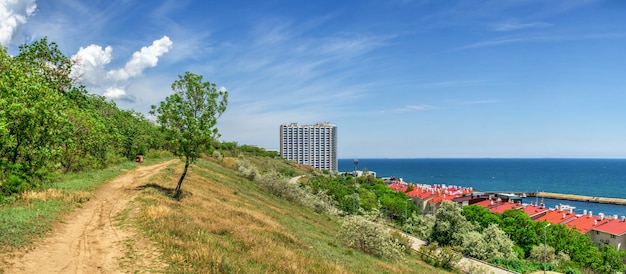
[(226, 223)]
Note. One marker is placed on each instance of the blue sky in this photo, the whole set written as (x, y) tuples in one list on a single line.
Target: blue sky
[(399, 78)]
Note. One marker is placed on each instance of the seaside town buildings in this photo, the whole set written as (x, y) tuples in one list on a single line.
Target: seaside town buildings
[(600, 228), (314, 145)]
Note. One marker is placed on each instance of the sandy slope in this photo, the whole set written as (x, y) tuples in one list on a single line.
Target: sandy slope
[(90, 240)]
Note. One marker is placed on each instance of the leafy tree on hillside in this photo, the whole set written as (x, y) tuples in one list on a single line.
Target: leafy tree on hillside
[(189, 117), (451, 225), (481, 216), (49, 62), (522, 230), (491, 243), (33, 121)]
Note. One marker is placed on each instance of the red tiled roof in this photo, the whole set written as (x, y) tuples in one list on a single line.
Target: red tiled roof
[(398, 186), (557, 217), (585, 223), (534, 211), (486, 203), (502, 207), (613, 227), (443, 197)]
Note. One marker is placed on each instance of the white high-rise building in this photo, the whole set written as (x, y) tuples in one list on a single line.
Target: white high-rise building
[(314, 145)]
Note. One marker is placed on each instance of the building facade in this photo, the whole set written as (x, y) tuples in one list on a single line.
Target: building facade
[(314, 145)]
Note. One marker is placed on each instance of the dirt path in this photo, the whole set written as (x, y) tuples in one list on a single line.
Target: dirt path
[(90, 240)]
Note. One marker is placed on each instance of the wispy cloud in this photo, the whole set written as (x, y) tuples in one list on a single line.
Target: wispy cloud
[(544, 38), (416, 108), (478, 102), (453, 84), (512, 25)]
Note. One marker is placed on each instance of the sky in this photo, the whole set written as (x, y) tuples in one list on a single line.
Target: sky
[(399, 78)]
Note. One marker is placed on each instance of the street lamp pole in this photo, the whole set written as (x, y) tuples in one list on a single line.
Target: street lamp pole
[(356, 163), (405, 209), (545, 247)]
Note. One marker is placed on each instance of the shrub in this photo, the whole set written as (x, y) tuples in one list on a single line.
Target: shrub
[(280, 186), (372, 238), (246, 169), (217, 155), (445, 257)]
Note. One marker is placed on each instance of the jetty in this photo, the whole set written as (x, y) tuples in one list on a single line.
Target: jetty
[(570, 197)]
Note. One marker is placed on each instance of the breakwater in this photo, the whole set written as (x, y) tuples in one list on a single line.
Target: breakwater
[(572, 197)]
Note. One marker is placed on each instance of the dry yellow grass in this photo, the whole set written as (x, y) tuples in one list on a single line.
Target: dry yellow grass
[(52, 194), (227, 224)]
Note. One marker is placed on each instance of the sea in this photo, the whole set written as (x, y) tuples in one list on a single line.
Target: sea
[(589, 177)]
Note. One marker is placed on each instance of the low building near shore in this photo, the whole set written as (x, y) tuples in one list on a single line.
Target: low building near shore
[(613, 232), (600, 229), (587, 221)]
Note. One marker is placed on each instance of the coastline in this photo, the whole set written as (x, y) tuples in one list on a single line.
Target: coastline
[(581, 198)]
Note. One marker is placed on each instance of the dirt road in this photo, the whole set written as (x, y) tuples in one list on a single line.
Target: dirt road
[(91, 240)]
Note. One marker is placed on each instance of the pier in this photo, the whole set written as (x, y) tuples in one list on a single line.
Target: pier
[(571, 197)]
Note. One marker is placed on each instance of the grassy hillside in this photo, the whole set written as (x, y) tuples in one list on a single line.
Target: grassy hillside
[(225, 223)]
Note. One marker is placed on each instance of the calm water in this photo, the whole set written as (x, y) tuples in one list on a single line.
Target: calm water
[(591, 177)]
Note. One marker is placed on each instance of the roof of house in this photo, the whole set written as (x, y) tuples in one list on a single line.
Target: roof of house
[(615, 227), (585, 223), (398, 186), (534, 211), (443, 197), (502, 207), (556, 216), (487, 203)]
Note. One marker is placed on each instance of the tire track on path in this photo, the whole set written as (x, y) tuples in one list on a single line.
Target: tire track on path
[(89, 240)]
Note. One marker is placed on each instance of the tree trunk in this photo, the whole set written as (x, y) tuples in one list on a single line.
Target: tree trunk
[(182, 177)]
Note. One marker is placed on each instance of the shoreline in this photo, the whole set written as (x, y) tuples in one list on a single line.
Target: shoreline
[(574, 197)]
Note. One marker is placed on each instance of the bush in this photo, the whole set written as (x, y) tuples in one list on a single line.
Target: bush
[(291, 191), (217, 155), (445, 257), (246, 169), (372, 238)]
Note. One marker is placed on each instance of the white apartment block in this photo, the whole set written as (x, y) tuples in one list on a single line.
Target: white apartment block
[(314, 145)]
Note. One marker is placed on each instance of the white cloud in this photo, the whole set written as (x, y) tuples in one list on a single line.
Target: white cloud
[(91, 62), (13, 15), (114, 93), (146, 58)]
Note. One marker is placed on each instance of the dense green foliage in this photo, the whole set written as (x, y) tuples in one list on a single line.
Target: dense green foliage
[(48, 125), (361, 194), (567, 248)]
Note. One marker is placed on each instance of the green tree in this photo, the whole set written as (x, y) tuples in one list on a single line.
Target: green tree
[(190, 116), (34, 124), (491, 243), (48, 60), (481, 216), (450, 226), (612, 260), (522, 230)]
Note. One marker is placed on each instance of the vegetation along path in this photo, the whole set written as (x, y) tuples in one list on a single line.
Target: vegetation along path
[(90, 240)]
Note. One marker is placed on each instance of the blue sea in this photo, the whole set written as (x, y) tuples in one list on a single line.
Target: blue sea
[(590, 177)]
